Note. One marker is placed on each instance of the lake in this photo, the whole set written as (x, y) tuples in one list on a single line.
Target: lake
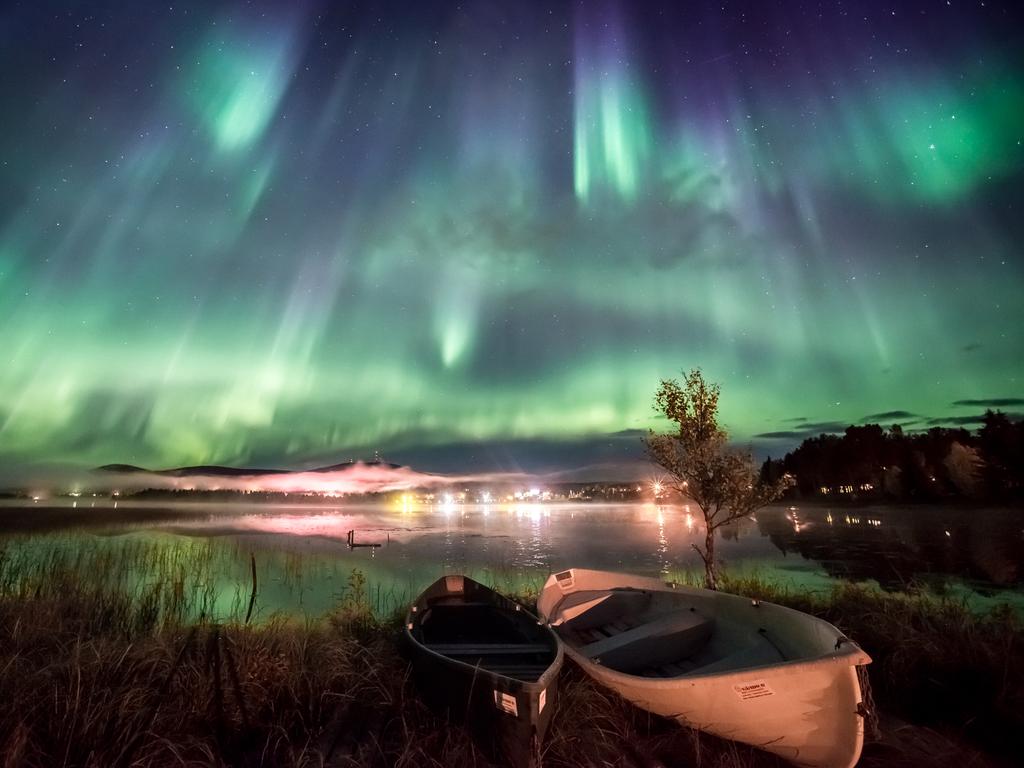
[(305, 566)]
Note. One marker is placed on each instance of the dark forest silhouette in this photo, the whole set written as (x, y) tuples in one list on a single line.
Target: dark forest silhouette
[(869, 462)]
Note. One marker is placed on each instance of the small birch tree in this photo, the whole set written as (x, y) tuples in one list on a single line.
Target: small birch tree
[(721, 480)]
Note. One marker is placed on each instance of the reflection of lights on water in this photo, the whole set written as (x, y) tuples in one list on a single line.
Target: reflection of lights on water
[(794, 517), (689, 522), (299, 525), (449, 504), (828, 518), (662, 542), (533, 511)]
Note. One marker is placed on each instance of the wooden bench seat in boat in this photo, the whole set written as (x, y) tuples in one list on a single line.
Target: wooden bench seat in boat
[(666, 639), (594, 608)]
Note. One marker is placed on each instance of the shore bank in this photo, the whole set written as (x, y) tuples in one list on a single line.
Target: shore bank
[(92, 676)]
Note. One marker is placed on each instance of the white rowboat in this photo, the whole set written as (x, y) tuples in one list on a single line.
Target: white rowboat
[(745, 670)]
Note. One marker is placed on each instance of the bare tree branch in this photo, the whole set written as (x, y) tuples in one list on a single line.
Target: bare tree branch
[(699, 551)]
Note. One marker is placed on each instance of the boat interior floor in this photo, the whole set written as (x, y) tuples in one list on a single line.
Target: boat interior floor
[(480, 635)]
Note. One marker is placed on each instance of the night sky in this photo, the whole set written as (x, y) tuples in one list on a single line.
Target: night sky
[(475, 236)]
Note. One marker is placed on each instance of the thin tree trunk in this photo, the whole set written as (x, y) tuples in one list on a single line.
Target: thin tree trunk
[(710, 570)]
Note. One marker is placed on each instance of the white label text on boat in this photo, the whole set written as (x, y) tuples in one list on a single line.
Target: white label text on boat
[(753, 689), (506, 703)]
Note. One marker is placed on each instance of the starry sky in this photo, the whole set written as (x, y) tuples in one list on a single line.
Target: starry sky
[(474, 236)]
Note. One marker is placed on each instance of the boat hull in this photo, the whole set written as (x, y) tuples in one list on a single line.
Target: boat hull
[(806, 711)]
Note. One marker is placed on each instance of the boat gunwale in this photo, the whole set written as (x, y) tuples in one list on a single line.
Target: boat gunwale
[(767, 671)]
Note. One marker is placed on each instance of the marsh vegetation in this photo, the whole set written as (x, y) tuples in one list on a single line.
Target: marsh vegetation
[(100, 666)]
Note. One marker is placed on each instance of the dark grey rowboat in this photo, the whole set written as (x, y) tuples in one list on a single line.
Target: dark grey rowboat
[(487, 663)]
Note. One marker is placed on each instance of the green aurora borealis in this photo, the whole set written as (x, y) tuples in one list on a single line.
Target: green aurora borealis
[(477, 236)]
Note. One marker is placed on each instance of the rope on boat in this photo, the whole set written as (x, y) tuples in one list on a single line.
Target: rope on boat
[(866, 708)]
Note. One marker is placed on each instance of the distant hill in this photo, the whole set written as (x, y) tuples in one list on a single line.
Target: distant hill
[(213, 470)]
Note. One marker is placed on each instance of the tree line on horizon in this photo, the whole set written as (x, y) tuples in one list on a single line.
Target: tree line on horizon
[(869, 462)]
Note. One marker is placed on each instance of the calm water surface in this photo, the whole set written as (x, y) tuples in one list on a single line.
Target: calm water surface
[(305, 565)]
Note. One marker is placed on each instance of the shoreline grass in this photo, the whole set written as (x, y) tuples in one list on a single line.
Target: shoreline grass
[(99, 669)]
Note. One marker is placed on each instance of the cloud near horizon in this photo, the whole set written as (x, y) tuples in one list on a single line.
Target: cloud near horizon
[(992, 402), (889, 415), (359, 478)]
